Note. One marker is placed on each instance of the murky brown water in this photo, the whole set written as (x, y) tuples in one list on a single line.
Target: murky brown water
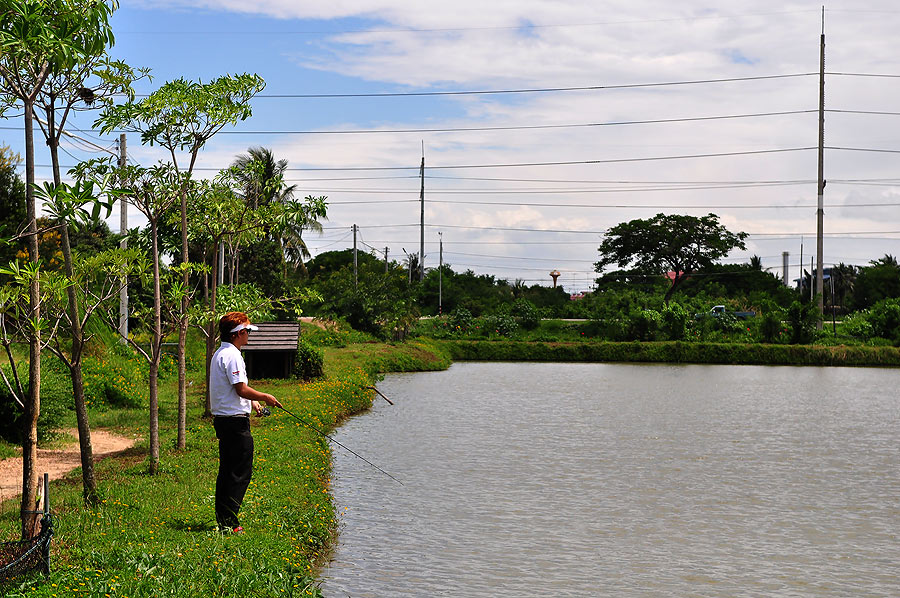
[(623, 480)]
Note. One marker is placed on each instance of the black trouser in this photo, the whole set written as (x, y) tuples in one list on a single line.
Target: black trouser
[(235, 467)]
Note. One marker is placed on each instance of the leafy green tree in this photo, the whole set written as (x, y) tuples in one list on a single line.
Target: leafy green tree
[(676, 244), (380, 303), (67, 207), (38, 38), (154, 192), (737, 280), (878, 281), (182, 116), (844, 281), (260, 181)]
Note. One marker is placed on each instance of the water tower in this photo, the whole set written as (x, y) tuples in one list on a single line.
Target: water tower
[(554, 275)]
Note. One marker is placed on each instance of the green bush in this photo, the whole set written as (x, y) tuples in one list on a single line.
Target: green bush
[(461, 320), (310, 362), (675, 321), (56, 403), (501, 324), (884, 317), (802, 319), (643, 324), (526, 314), (770, 327), (858, 325)]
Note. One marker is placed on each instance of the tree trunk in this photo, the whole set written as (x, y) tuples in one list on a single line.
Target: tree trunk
[(33, 400), (181, 443), (89, 484), (155, 353), (211, 326)]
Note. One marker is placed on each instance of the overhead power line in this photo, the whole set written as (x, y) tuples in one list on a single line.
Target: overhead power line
[(524, 90), (516, 127), (497, 128)]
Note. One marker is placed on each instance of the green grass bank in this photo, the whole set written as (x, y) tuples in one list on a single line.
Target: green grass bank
[(672, 352)]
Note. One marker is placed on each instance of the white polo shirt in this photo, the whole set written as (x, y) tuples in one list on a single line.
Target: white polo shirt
[(226, 370)]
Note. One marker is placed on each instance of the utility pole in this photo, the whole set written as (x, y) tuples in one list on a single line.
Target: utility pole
[(820, 211), (355, 266), (812, 268), (422, 223), (440, 273), (123, 230), (785, 258), (385, 260)]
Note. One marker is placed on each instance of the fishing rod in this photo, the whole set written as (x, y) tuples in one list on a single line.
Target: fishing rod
[(349, 450), (381, 394)]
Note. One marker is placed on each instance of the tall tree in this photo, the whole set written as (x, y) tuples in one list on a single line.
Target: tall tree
[(878, 281), (67, 206), (217, 213), (182, 116), (154, 192), (261, 179), (83, 81), (668, 245), (36, 37), (844, 280)]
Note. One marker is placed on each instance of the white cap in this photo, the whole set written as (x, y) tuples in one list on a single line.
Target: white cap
[(240, 327)]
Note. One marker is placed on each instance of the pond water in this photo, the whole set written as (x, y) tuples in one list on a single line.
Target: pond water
[(533, 479)]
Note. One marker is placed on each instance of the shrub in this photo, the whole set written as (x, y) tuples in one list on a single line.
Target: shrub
[(884, 317), (770, 326), (802, 319), (461, 320), (56, 397), (858, 325), (526, 314), (644, 324), (674, 321), (310, 362), (502, 324)]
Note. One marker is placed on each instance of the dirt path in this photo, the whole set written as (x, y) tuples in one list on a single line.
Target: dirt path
[(59, 462)]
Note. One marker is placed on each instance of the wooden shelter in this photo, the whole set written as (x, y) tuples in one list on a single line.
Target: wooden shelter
[(271, 350)]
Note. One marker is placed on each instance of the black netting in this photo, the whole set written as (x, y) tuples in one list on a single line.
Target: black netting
[(18, 558)]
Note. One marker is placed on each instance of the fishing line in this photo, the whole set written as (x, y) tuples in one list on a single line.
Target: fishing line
[(349, 450)]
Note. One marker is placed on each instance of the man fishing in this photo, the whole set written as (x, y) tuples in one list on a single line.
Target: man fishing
[(231, 400)]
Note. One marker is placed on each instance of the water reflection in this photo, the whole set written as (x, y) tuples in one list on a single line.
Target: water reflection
[(623, 480)]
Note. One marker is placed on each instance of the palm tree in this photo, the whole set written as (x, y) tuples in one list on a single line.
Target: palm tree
[(844, 277), (261, 178)]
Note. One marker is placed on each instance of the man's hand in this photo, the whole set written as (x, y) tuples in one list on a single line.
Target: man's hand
[(270, 400), (257, 407)]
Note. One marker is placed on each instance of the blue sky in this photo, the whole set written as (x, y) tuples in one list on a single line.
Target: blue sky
[(491, 217)]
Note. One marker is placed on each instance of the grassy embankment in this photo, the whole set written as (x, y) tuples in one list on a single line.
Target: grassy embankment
[(154, 535), (673, 352)]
